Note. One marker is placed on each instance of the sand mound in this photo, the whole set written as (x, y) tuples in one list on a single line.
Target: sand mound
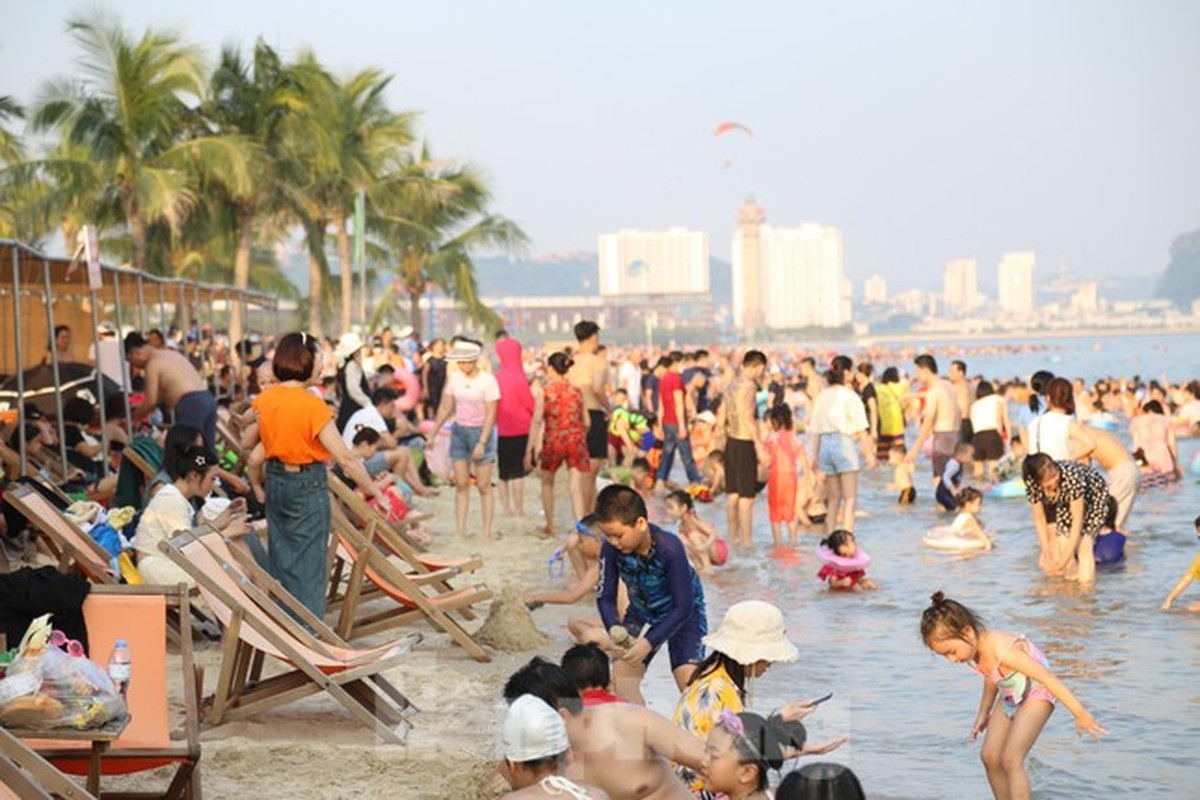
[(510, 626)]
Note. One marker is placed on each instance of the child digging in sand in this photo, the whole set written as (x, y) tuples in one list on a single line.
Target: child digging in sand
[(1014, 669), (666, 599), (705, 547)]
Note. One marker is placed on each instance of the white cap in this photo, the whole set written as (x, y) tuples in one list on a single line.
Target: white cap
[(533, 730)]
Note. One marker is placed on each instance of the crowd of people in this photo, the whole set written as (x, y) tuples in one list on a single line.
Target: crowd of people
[(252, 432)]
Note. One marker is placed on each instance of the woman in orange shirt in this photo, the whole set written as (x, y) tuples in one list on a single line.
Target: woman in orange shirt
[(298, 436)]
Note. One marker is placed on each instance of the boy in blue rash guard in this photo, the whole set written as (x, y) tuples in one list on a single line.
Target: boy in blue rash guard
[(664, 593)]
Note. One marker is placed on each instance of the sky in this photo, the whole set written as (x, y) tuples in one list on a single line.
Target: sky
[(925, 131)]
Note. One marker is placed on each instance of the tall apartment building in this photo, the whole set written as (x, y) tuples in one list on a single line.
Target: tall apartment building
[(1015, 281), (875, 289), (799, 278), (636, 262), (960, 285)]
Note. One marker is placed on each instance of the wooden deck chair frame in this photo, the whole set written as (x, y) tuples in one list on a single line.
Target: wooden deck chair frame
[(359, 510), (27, 776), (137, 756), (370, 567), (256, 626), (73, 548), (346, 502)]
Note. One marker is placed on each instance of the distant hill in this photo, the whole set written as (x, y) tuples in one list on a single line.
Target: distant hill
[(1181, 282), (499, 277)]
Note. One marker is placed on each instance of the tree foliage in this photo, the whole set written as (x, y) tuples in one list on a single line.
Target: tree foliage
[(1181, 282)]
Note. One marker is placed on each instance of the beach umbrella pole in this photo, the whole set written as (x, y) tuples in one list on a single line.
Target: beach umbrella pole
[(20, 367), (101, 399), (58, 402), (120, 328)]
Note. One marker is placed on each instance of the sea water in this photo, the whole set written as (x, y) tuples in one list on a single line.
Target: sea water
[(908, 712)]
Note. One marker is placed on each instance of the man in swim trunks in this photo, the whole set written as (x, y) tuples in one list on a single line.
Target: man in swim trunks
[(736, 423), (1120, 470), (173, 383), (665, 594), (964, 395), (590, 374), (940, 419)]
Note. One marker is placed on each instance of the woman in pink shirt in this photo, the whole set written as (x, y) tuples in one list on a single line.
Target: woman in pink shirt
[(471, 396)]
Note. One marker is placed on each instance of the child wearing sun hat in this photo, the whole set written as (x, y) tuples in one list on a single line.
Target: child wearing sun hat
[(751, 638)]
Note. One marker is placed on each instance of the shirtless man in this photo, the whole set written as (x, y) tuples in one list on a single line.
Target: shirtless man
[(1121, 471), (173, 383), (813, 382), (940, 419), (590, 374), (624, 749), (536, 751), (964, 395), (737, 426)]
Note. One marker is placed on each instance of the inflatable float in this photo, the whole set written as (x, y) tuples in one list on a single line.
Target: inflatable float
[(1109, 548), (407, 383), (945, 537), (438, 456), (1007, 490), (840, 566), (1104, 421), (720, 552)]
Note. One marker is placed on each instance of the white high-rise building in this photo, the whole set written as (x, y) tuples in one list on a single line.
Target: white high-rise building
[(875, 289), (1015, 281), (636, 262), (802, 280), (960, 285)]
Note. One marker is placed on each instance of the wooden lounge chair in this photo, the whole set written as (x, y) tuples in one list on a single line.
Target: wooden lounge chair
[(420, 595), (256, 627), (24, 775), (141, 615), (73, 548)]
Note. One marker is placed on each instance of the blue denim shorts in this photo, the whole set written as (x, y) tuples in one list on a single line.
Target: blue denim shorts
[(838, 454), (376, 463), (463, 441)]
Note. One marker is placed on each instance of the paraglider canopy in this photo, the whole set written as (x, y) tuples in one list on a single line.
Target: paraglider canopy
[(723, 128)]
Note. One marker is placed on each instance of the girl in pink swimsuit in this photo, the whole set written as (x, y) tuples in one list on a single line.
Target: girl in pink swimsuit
[(1010, 664)]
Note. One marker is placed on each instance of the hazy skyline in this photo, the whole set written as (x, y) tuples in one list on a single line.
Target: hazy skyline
[(925, 131)]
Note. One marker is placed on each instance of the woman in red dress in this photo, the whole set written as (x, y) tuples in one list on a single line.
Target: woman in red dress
[(559, 434)]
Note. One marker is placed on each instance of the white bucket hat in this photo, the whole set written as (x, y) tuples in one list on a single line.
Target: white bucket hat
[(464, 350), (533, 730), (348, 345), (753, 631)]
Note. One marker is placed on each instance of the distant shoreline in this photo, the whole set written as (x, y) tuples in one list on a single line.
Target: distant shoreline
[(1079, 333)]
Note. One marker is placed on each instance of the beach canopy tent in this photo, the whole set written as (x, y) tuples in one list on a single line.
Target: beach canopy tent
[(39, 292)]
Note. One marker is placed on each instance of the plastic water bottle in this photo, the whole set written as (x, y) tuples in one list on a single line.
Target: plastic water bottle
[(120, 666)]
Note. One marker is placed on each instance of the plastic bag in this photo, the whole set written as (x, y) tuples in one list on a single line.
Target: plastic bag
[(46, 687)]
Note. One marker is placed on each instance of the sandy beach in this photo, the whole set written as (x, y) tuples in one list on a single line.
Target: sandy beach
[(312, 748)]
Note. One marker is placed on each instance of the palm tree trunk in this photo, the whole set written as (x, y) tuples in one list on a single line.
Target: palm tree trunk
[(414, 313), (241, 272), (343, 237), (137, 235), (314, 293)]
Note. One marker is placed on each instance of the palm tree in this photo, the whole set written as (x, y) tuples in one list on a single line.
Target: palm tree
[(131, 115), (434, 215), (249, 100), (11, 153)]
